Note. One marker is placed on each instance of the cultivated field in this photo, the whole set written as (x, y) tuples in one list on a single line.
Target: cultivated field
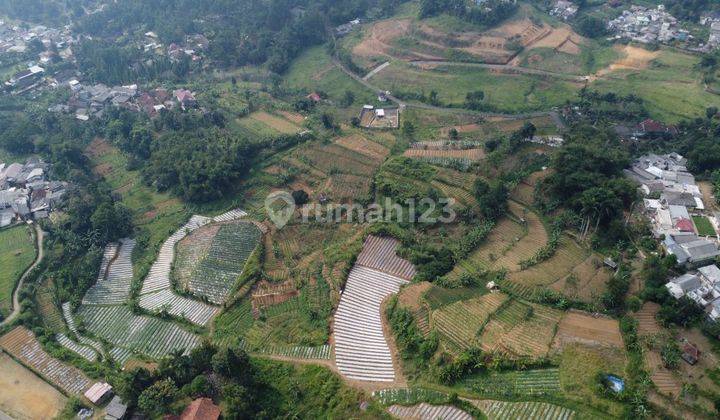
[(567, 256), (114, 280), (143, 334), (265, 124), (502, 410), (464, 154), (586, 282), (516, 383), (24, 396), (460, 322), (17, 252), (585, 328), (663, 378), (361, 350), (427, 411), (379, 253), (23, 346), (647, 324), (521, 330)]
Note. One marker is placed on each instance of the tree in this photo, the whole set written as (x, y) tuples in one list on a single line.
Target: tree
[(157, 398), (300, 197), (200, 387), (348, 98), (233, 364), (111, 221), (474, 100), (453, 133), (132, 383), (238, 402), (591, 27), (492, 197)]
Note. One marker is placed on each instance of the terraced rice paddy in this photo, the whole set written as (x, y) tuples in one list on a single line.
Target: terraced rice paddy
[(114, 280), (361, 350), (534, 382), (22, 345), (460, 322), (502, 410), (521, 329), (215, 275), (147, 335), (424, 411)]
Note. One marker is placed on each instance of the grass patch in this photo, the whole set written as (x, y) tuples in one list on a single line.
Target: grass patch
[(17, 252), (703, 225)]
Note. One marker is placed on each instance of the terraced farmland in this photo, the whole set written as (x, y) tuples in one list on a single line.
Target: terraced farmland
[(114, 280), (22, 344), (233, 323), (215, 276), (323, 352), (147, 335), (534, 382), (460, 322), (521, 329), (425, 411), (567, 256), (503, 410), (379, 253), (361, 350), (408, 396), (83, 351), (157, 295)]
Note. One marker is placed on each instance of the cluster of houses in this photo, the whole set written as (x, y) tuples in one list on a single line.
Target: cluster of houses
[(648, 25), (91, 100), (25, 192), (346, 28), (191, 48), (674, 206), (564, 9), (713, 21), (16, 38)]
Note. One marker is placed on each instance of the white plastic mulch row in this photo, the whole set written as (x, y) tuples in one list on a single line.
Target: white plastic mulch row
[(425, 411), (379, 253), (166, 300), (147, 335), (120, 355), (502, 410), (361, 351), (159, 276), (83, 351), (115, 279), (22, 344), (70, 321), (230, 215), (296, 352)]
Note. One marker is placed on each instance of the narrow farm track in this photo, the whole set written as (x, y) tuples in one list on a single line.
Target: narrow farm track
[(39, 236)]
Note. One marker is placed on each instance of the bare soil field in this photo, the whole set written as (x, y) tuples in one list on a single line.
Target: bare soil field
[(635, 58), (360, 144), (662, 378), (293, 117), (24, 395), (582, 327), (647, 324)]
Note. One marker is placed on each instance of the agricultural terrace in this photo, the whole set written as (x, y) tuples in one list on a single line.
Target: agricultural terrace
[(503, 410), (211, 259), (341, 170), (159, 213), (459, 323), (524, 192), (512, 93), (516, 237), (264, 124), (568, 255), (17, 252), (361, 349), (23, 346), (428, 411), (582, 327), (146, 335), (523, 383), (24, 395), (521, 330), (579, 367), (587, 281)]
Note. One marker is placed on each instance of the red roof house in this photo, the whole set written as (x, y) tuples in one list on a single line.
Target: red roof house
[(314, 97), (201, 409), (685, 225)]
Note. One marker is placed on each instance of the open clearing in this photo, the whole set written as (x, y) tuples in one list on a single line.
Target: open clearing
[(633, 58), (17, 252), (24, 395), (582, 327)]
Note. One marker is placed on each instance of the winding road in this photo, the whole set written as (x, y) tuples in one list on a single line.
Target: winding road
[(39, 236)]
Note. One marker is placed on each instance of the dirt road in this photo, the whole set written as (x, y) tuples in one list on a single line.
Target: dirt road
[(39, 235)]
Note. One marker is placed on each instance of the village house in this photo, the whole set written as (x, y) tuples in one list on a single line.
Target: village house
[(564, 9), (26, 194), (185, 98)]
